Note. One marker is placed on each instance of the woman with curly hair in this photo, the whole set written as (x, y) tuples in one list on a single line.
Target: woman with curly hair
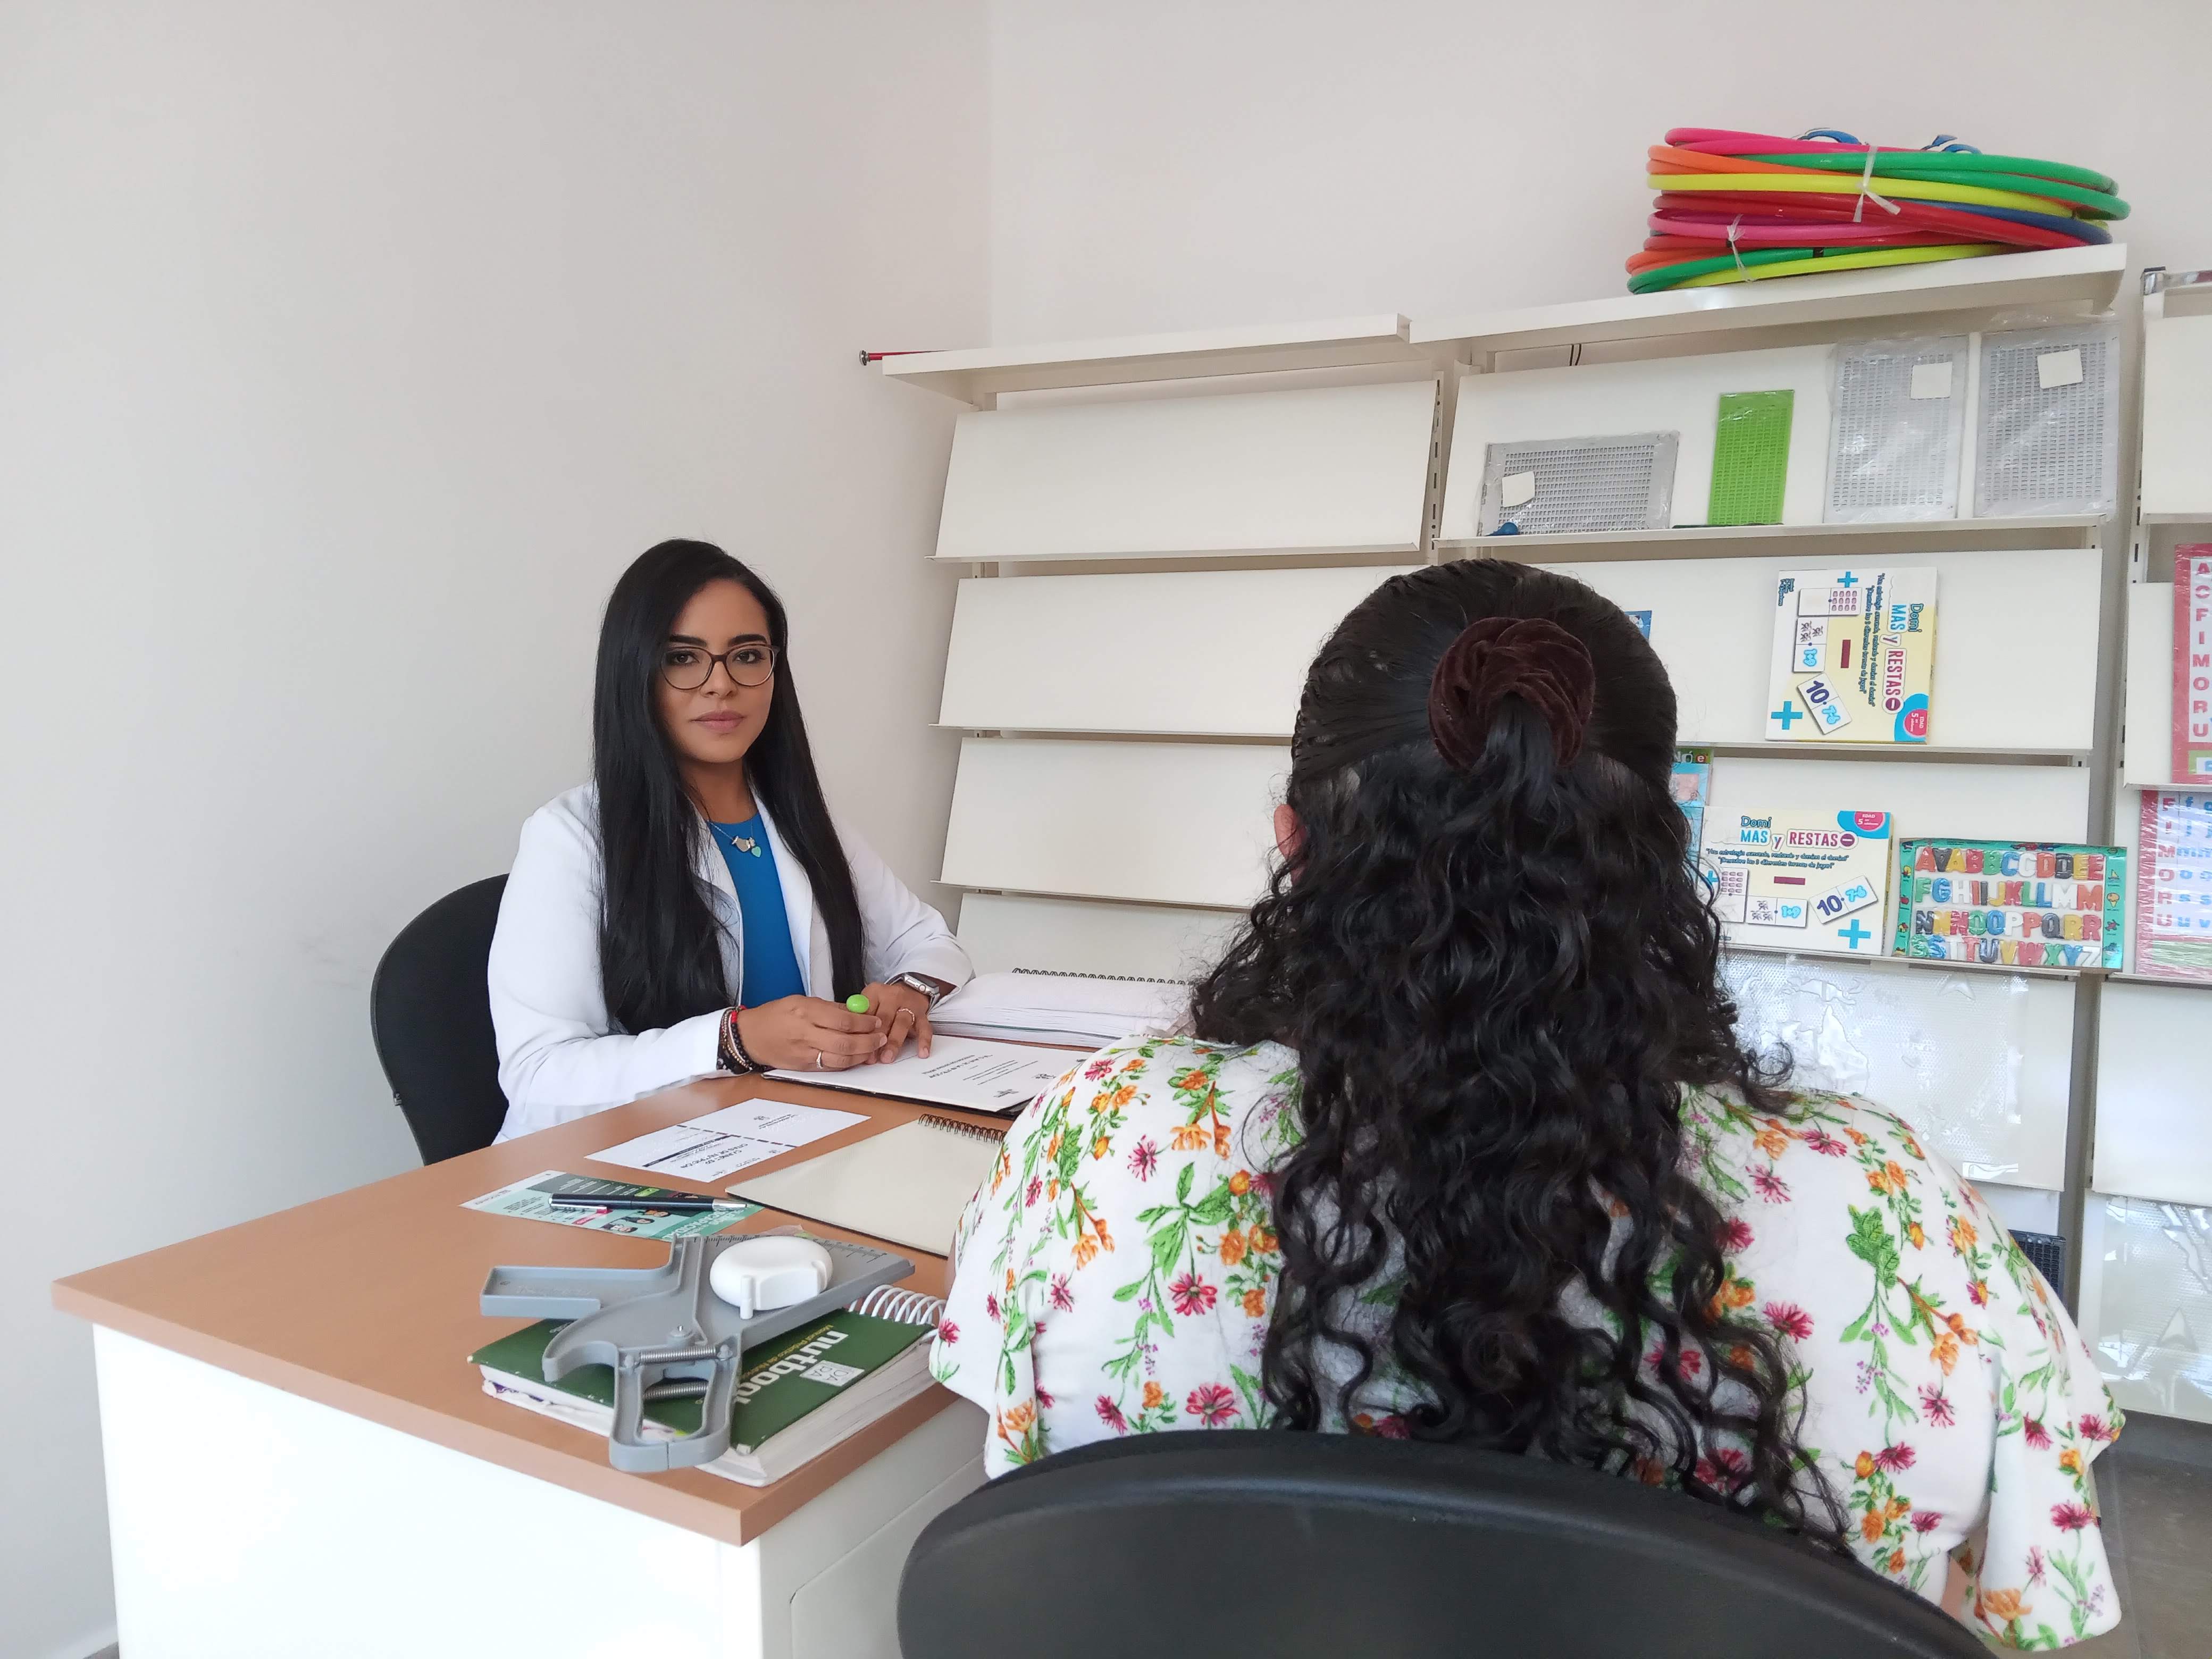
[(1464, 1149)]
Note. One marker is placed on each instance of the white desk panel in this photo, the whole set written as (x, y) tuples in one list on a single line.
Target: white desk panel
[(1924, 798), (1976, 1063), (2147, 1303), (2177, 417), (1664, 394), (1209, 652), (1713, 625), (251, 1523), (1006, 931), (1165, 823), (2154, 1094), (2147, 733), (1334, 468)]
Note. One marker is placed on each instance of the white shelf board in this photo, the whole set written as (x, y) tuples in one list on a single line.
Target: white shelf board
[(1006, 667), (1006, 930), (2164, 983), (2176, 419), (1911, 753), (1317, 470), (2084, 279), (976, 374), (1165, 824), (2147, 660), (2151, 1131), (1727, 541), (1917, 964)]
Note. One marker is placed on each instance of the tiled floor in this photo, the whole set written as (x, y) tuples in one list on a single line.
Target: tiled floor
[(2154, 1487)]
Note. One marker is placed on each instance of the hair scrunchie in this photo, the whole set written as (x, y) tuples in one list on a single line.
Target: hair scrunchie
[(1498, 657)]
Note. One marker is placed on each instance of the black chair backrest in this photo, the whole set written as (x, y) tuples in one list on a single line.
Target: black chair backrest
[(1251, 1541), (430, 1015)]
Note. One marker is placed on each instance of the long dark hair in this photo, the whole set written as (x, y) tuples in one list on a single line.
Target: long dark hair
[(1497, 976), (658, 959)]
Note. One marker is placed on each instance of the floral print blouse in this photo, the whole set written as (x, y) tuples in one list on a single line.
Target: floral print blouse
[(1114, 1276)]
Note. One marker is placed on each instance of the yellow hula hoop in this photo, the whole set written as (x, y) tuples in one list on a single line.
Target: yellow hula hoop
[(1841, 183), (1865, 260)]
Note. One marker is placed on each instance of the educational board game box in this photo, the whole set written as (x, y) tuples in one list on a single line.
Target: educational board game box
[(2012, 903), (1692, 788), (1854, 656), (1801, 881), (2173, 884)]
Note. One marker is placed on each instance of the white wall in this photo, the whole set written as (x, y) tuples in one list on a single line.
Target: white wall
[(351, 350), (1161, 165)]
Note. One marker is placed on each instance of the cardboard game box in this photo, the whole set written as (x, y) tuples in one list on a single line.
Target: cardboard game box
[(1801, 881), (1854, 656)]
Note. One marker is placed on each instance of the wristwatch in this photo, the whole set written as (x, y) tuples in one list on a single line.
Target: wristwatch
[(934, 989)]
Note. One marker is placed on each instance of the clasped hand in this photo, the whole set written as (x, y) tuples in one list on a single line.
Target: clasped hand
[(810, 1033)]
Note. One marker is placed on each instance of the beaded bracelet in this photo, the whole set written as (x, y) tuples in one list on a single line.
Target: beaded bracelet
[(733, 1057)]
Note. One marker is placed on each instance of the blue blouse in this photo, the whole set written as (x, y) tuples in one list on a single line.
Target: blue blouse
[(771, 966)]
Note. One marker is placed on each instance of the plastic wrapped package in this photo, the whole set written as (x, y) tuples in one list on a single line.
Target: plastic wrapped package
[(1750, 458), (2047, 430), (1579, 486), (1897, 409), (2147, 1303), (1953, 1055)]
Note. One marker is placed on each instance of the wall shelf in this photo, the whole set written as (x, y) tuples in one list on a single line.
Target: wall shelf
[(1701, 541), (2161, 981), (977, 375), (1917, 964), (2084, 279), (1922, 753)]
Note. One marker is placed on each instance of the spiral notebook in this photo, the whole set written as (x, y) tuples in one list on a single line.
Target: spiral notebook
[(908, 1185)]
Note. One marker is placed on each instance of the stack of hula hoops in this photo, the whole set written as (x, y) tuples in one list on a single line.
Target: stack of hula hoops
[(1740, 207)]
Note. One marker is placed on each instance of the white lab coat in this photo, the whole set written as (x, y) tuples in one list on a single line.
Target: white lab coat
[(561, 1056)]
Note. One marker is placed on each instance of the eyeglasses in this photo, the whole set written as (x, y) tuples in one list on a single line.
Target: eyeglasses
[(687, 667)]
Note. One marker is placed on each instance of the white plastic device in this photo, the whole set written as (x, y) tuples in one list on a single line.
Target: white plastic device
[(758, 1275)]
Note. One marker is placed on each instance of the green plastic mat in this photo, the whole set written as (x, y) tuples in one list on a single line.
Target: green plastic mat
[(1750, 458)]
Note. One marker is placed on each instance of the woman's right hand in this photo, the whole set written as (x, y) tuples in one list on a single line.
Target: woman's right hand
[(807, 1034)]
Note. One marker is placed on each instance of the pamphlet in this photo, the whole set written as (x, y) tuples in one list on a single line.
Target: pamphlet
[(705, 1149), (964, 1071), (531, 1200)]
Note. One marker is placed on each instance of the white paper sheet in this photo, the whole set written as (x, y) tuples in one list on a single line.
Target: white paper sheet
[(966, 1071), (706, 1148)]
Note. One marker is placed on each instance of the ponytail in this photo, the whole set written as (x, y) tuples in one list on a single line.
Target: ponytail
[(1498, 972)]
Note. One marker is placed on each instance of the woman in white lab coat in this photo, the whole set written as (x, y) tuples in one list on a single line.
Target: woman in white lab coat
[(693, 908)]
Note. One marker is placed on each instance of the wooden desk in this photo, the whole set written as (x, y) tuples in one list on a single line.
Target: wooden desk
[(366, 1303)]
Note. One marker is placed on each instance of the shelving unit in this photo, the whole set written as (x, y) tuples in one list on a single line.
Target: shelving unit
[(2148, 1224), (1157, 674)]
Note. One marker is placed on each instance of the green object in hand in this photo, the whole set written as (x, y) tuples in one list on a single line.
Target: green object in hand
[(857, 1003)]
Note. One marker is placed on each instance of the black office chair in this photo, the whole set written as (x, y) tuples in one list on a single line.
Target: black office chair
[(430, 1017), (1289, 1544)]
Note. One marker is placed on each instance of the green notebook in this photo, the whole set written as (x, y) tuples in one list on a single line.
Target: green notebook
[(1750, 458), (784, 1379)]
